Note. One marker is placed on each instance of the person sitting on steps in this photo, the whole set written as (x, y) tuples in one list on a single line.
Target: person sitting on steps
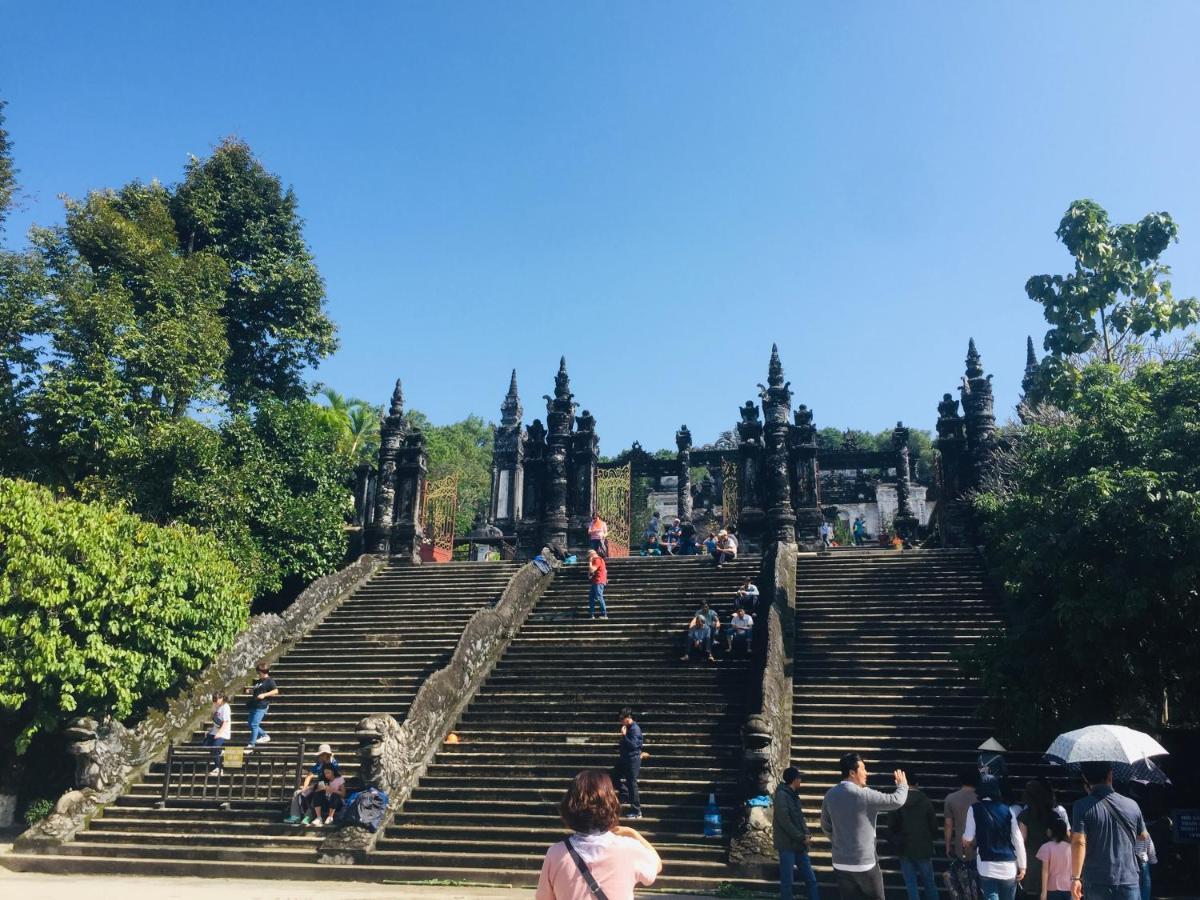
[(699, 638), (301, 796), (741, 629), (327, 798), (748, 595), (727, 548)]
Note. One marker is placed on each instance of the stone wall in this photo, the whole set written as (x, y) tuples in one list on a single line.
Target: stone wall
[(394, 756), (109, 757), (885, 506), (767, 732)]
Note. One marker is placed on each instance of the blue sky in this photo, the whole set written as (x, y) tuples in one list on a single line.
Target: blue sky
[(657, 191)]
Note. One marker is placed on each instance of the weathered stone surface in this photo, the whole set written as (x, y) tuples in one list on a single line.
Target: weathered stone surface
[(767, 732), (394, 756), (109, 756)]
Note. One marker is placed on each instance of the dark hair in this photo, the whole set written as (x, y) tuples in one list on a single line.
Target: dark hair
[(626, 713), (969, 776), (220, 695), (590, 805), (1058, 828), (263, 666), (1096, 772), (1039, 797), (990, 788), (329, 768), (849, 763), (790, 774)]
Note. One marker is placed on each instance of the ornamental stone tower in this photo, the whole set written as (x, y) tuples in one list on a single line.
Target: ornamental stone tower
[(508, 459), (683, 487), (401, 489), (806, 484), (978, 414), (777, 410)]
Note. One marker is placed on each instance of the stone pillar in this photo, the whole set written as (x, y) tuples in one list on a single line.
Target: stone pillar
[(806, 499), (411, 468), (560, 413), (905, 522), (750, 515), (507, 464), (776, 488), (582, 493), (391, 436), (951, 445), (980, 419), (534, 491), (683, 440)]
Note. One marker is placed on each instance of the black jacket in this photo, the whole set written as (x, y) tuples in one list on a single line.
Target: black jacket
[(791, 831)]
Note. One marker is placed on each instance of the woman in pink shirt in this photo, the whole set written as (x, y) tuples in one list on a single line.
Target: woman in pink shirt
[(612, 855)]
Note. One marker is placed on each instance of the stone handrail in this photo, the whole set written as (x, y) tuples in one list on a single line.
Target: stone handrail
[(110, 757), (394, 756), (767, 731)]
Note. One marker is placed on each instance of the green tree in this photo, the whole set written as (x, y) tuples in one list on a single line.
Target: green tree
[(100, 611), (463, 448), (1095, 529), (20, 320), (358, 422), (1119, 291), (230, 205)]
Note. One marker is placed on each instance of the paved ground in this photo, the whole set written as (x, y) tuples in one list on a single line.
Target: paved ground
[(120, 887), (124, 887)]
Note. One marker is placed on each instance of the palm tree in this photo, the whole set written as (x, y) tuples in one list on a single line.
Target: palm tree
[(359, 423)]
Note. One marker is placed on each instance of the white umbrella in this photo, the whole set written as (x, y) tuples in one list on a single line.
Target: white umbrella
[(1104, 743)]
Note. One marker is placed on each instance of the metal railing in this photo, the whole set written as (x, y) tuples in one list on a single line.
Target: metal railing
[(265, 776)]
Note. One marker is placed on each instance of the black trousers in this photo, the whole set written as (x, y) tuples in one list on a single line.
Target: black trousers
[(866, 885), (625, 780)]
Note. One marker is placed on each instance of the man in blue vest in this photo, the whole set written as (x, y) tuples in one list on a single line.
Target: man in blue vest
[(1105, 826), (993, 832)]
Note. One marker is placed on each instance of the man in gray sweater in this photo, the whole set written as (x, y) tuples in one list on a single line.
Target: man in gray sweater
[(848, 815)]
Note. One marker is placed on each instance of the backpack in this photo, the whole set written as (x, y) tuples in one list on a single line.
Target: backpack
[(365, 808)]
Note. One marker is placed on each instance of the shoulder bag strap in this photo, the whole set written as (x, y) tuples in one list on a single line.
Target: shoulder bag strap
[(596, 890), (1129, 826)]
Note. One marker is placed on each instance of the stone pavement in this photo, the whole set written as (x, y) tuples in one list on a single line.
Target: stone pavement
[(37, 886)]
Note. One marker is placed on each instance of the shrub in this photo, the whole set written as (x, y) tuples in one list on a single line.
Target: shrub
[(101, 612), (37, 810)]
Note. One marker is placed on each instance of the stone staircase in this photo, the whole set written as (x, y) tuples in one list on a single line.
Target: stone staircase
[(875, 673), (486, 809), (369, 655)]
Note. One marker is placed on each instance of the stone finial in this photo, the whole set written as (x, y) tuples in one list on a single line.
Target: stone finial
[(1031, 367), (562, 382), (397, 407), (974, 364), (775, 369), (683, 438), (510, 409), (900, 436)]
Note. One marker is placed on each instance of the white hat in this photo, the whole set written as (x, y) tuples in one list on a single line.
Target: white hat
[(324, 748)]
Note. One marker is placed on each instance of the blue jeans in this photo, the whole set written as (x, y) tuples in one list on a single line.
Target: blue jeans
[(218, 752), (255, 723), (912, 869), (999, 889), (596, 595), (1112, 891), (788, 861), (1145, 885)]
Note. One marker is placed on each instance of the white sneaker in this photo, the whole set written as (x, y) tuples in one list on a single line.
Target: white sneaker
[(264, 739), (329, 820), (317, 823), (217, 771)]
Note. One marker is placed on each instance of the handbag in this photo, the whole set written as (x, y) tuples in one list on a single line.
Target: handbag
[(597, 891)]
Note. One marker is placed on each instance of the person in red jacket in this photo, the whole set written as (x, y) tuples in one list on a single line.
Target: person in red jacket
[(598, 576)]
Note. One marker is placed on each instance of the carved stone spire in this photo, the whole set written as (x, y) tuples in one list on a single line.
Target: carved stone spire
[(562, 382), (1031, 367), (510, 409), (397, 407), (974, 365), (775, 369)]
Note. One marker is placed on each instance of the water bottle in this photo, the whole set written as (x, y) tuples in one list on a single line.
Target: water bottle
[(712, 818)]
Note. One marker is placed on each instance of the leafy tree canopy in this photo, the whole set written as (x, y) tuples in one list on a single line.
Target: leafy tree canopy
[(1094, 522), (1119, 289), (463, 448), (231, 206), (100, 611)]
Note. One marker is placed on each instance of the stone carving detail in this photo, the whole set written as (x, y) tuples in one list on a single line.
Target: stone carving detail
[(905, 522), (508, 464), (980, 419), (109, 756), (391, 435)]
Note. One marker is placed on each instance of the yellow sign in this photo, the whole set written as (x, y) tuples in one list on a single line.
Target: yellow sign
[(233, 758)]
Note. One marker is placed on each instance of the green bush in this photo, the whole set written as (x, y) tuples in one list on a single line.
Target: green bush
[(37, 810), (101, 612)]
